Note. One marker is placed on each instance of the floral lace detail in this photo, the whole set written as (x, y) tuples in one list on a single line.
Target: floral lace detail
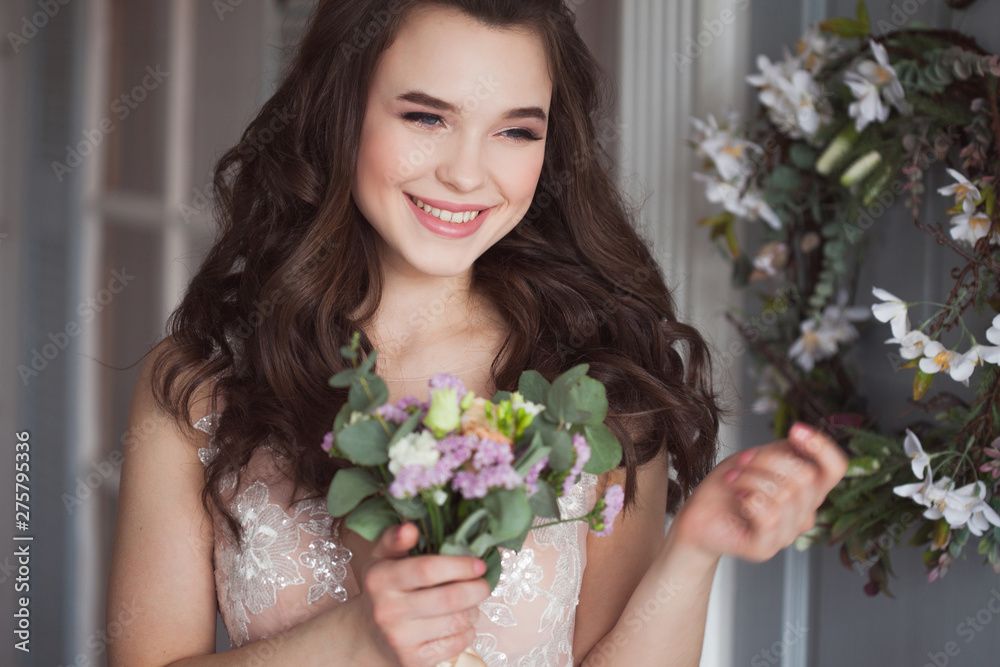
[(520, 578), (248, 579)]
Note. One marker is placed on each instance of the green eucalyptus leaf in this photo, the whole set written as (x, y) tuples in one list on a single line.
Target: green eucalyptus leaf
[(405, 429), (453, 549), (343, 416), (605, 449), (361, 387), (371, 518), (493, 567), (500, 396), (543, 502), (785, 178), (590, 396), (533, 386), (365, 443), (368, 363), (470, 525), (562, 453), (349, 487), (802, 156), (343, 378), (409, 508), (863, 466), (510, 512)]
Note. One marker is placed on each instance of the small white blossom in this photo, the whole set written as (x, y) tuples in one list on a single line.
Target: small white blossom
[(413, 449), (794, 100), (912, 344), (993, 333), (937, 359), (918, 458), (870, 82), (966, 193), (892, 310), (970, 227), (815, 344)]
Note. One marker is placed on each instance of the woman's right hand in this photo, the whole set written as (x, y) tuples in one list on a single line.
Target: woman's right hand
[(421, 609)]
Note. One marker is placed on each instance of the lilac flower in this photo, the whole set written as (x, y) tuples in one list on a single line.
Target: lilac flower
[(582, 456), (531, 479), (452, 453), (327, 442), (613, 501), (392, 413), (408, 401), (477, 484), (446, 381), (491, 453)]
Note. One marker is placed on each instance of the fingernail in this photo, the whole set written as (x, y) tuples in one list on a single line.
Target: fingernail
[(732, 474), (800, 431), (479, 567), (746, 456)]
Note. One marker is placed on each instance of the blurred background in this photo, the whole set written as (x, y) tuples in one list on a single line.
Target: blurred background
[(112, 115)]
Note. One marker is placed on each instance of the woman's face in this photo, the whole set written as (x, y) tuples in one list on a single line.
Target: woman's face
[(456, 120)]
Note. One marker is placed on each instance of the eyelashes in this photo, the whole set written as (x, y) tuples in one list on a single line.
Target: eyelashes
[(431, 121)]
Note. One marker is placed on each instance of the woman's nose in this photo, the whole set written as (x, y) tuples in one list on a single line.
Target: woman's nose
[(462, 165)]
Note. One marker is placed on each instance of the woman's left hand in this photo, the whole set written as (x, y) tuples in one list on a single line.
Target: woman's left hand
[(756, 502)]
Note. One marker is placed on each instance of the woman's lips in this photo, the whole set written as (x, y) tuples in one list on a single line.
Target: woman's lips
[(451, 230)]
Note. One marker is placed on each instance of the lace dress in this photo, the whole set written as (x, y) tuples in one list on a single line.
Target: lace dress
[(294, 566)]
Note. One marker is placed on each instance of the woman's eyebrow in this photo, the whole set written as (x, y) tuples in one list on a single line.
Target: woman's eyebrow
[(419, 97)]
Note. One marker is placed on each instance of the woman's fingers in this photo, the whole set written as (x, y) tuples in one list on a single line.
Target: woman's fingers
[(827, 455)]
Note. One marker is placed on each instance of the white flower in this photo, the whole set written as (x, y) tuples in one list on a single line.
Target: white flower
[(962, 506), (893, 310), (993, 333), (815, 343), (750, 205), (965, 192), (918, 459), (970, 227), (937, 359), (838, 317), (753, 206), (794, 100), (814, 49), (983, 354), (517, 402), (870, 83), (413, 449), (440, 496), (913, 344), (920, 491), (729, 154)]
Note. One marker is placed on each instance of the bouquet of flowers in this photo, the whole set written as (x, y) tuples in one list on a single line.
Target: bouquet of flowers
[(850, 124), (472, 474)]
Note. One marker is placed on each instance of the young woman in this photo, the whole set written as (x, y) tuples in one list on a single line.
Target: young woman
[(440, 188)]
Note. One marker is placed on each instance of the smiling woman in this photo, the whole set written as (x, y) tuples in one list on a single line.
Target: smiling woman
[(402, 187)]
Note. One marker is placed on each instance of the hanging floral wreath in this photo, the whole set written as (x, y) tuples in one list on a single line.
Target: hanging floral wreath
[(849, 125)]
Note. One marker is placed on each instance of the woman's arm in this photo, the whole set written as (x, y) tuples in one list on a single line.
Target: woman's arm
[(752, 505), (161, 591)]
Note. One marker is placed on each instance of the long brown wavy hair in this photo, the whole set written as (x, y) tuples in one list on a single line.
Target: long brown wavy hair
[(264, 318)]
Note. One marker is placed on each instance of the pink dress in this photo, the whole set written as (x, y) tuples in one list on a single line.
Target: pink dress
[(294, 566)]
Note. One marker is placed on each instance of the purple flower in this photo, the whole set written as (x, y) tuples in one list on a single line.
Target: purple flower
[(613, 501), (531, 479), (409, 401), (446, 381), (327, 444), (392, 413), (477, 484), (491, 453), (582, 456)]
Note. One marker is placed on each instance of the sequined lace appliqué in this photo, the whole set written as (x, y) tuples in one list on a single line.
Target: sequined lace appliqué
[(267, 563), (521, 582)]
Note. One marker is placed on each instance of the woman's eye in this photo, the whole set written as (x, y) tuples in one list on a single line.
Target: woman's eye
[(421, 118), (429, 120)]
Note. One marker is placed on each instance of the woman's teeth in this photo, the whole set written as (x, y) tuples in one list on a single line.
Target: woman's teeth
[(447, 216)]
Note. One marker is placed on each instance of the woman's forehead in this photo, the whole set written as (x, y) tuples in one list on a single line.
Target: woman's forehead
[(452, 56)]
